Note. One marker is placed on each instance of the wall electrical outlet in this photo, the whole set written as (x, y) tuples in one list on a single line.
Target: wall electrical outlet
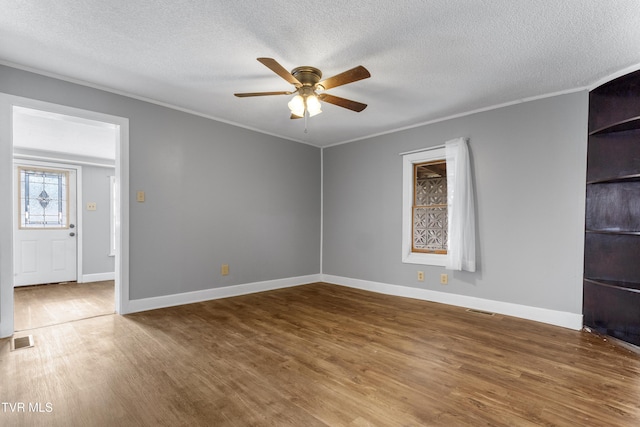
[(140, 196), (420, 276), (92, 206), (224, 270), (444, 278)]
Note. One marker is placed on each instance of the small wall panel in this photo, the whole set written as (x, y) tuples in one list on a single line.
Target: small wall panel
[(58, 255), (28, 256)]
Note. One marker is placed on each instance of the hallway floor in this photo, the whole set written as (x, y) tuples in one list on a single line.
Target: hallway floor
[(45, 305)]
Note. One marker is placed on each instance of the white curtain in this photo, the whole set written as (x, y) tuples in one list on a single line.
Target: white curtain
[(461, 251)]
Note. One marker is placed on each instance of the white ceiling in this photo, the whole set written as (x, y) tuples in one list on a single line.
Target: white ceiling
[(58, 133), (429, 59)]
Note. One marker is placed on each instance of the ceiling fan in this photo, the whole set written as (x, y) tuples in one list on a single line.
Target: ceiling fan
[(310, 90)]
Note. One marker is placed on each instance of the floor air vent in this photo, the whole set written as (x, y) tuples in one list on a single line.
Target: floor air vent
[(486, 313), (22, 342)]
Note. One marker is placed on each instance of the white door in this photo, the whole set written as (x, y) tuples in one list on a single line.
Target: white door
[(45, 245)]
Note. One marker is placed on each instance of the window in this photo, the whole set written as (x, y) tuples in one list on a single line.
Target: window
[(438, 207), (425, 213), (429, 209), (43, 198)]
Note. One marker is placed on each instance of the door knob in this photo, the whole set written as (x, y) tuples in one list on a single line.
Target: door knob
[(71, 225), (72, 234)]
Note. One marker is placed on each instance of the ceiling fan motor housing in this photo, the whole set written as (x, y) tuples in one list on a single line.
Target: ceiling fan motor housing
[(308, 76)]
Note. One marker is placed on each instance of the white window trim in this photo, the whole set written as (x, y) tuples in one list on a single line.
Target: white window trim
[(408, 160)]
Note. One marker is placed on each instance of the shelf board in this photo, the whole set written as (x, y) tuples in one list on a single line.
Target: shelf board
[(615, 179), (629, 124), (614, 232), (623, 286)]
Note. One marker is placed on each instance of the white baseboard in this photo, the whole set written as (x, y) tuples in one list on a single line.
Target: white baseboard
[(153, 303), (97, 277), (553, 317)]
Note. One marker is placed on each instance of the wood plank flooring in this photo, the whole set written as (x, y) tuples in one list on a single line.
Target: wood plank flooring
[(45, 305), (318, 355)]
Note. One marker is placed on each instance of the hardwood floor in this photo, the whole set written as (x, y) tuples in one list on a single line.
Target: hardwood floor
[(45, 305), (318, 355)]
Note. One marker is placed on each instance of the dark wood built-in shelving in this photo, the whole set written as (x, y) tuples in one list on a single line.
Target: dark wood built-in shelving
[(623, 125), (628, 178), (611, 298), (626, 286), (614, 232)]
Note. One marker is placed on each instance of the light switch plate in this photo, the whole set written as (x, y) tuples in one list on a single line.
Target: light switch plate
[(140, 196)]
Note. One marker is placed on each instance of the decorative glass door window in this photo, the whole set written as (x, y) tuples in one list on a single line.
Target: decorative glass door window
[(44, 198), (430, 207)]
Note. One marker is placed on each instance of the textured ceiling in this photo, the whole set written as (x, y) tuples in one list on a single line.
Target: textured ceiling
[(429, 59)]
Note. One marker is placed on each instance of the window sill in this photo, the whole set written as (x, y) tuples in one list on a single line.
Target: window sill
[(424, 259)]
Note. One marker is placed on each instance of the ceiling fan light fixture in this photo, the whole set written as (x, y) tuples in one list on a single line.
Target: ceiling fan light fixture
[(313, 105), (296, 105), (314, 113)]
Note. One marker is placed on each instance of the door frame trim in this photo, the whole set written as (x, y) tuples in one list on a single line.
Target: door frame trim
[(7, 102), (79, 204)]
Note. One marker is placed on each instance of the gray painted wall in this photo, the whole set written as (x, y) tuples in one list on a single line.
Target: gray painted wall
[(96, 224), (529, 164), (215, 194)]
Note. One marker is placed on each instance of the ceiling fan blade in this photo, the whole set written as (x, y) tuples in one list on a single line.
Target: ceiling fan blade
[(274, 66), (293, 116), (349, 76), (244, 95), (342, 102)]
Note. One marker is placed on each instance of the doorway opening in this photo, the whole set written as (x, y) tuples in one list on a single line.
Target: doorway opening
[(66, 263), (59, 247)]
